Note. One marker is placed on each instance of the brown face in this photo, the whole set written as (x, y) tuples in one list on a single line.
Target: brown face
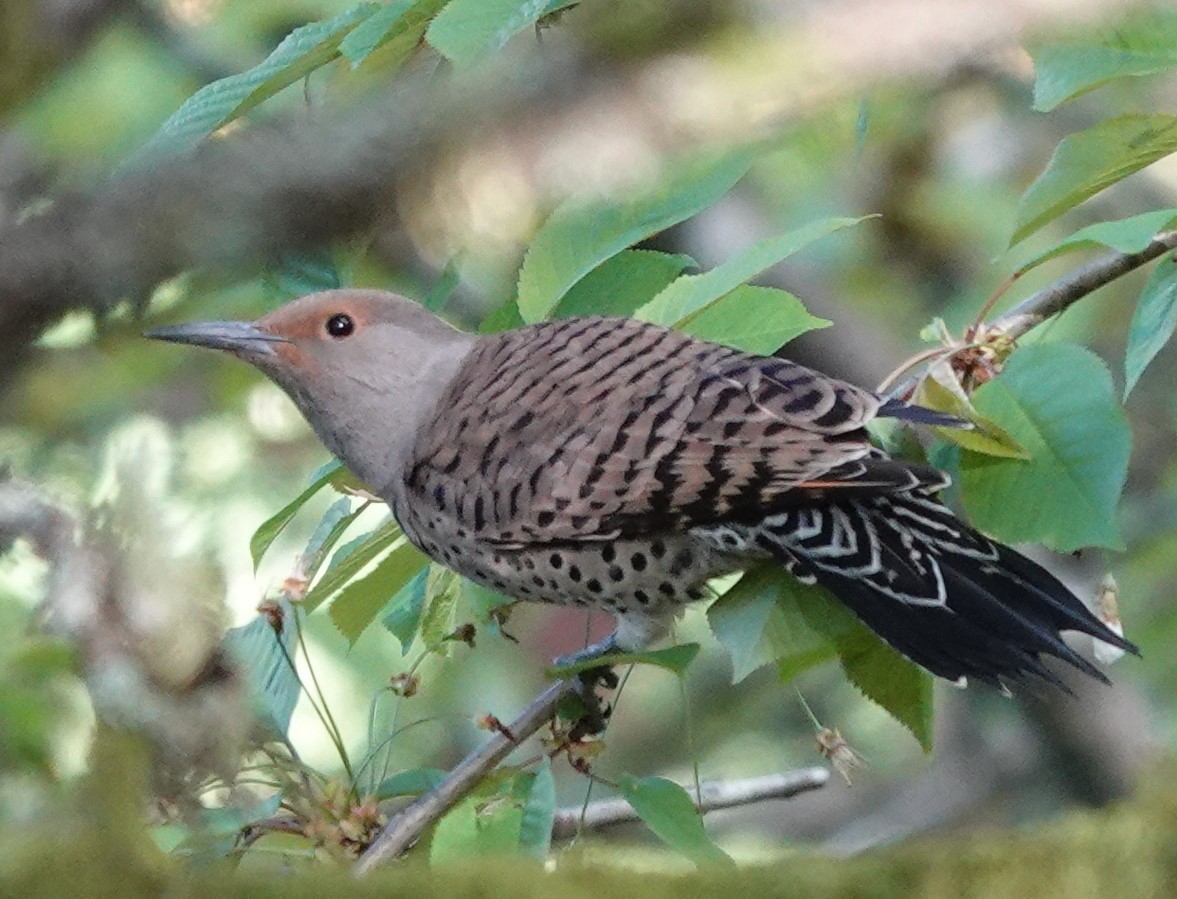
[(328, 317), (295, 335), (314, 326)]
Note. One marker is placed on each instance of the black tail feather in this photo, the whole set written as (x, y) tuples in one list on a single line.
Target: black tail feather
[(920, 415), (983, 611)]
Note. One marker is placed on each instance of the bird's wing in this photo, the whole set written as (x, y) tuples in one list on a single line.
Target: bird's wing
[(593, 428)]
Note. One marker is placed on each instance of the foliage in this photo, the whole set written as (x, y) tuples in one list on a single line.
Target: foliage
[(1047, 422)]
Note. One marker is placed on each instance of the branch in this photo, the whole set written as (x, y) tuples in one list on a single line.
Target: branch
[(407, 826), (1065, 292), (717, 795), (1041, 306)]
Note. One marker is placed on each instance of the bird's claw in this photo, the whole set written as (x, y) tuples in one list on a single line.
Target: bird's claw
[(596, 711), (596, 716)]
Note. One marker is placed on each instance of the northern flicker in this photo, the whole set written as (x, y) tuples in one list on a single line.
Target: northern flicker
[(618, 465)]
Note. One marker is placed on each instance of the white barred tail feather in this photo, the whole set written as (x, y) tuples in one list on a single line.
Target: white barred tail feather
[(939, 592)]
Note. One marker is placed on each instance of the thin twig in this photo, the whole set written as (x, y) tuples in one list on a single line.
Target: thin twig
[(1051, 301), (715, 795), (408, 825), (1063, 293)]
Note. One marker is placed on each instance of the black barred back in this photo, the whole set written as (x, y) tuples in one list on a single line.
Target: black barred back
[(598, 428)]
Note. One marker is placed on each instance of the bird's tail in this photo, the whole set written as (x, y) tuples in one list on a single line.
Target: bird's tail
[(944, 595)]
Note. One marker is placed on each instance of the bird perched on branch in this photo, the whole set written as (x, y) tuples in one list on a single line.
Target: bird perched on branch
[(618, 465)]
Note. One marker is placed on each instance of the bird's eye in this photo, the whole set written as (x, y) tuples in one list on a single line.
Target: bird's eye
[(340, 325)]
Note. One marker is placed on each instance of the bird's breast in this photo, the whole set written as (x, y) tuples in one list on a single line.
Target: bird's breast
[(648, 574)]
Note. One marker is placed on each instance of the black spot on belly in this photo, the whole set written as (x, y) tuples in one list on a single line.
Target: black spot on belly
[(680, 563), (666, 588), (574, 574), (608, 553), (638, 561), (657, 549), (556, 561), (641, 596), (538, 581), (616, 574), (593, 585)]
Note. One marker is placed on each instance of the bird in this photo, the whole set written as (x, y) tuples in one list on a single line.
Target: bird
[(613, 464)]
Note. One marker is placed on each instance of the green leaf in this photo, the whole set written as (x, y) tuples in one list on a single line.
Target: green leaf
[(673, 658), (622, 283), (403, 614), (468, 31), (1152, 323), (349, 560), (1058, 402), (444, 288), (882, 675), (331, 528), (754, 319), (770, 616), (332, 473), (759, 621), (504, 318), (216, 835), (358, 604), (539, 813), (484, 604), (297, 274), (401, 23), (1144, 45), (690, 294), (1130, 235), (891, 681), (476, 828), (1085, 163), (940, 390), (300, 53), (668, 810), (270, 680), (409, 783), (739, 617), (442, 590), (578, 237)]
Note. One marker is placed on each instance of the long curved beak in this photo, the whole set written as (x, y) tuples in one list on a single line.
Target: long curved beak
[(245, 338)]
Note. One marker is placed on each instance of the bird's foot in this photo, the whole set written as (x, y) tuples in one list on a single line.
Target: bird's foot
[(596, 713)]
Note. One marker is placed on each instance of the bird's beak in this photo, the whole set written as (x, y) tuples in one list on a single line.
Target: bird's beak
[(244, 338)]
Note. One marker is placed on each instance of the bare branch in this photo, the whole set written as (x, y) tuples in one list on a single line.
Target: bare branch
[(408, 825), (1065, 292), (716, 795)]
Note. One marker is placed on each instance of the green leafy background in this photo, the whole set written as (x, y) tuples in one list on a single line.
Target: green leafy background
[(1060, 461)]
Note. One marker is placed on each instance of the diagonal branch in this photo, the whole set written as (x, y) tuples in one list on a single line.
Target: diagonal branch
[(407, 826), (1065, 292), (1038, 308)]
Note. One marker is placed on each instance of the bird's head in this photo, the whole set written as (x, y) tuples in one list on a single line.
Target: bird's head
[(365, 367), (336, 330)]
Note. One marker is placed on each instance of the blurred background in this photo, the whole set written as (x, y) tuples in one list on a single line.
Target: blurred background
[(919, 111)]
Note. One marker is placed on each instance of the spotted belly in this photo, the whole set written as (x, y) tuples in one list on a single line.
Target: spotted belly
[(648, 576)]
